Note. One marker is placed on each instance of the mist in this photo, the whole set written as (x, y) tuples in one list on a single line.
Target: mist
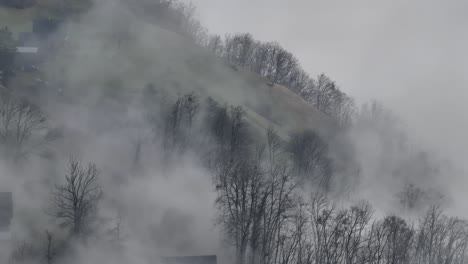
[(407, 55), (115, 93), (165, 210)]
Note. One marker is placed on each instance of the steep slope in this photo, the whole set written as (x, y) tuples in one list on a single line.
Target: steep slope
[(116, 50), (17, 20), (285, 109), (124, 53), (20, 20)]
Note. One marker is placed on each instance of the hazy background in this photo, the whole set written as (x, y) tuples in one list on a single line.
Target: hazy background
[(408, 54)]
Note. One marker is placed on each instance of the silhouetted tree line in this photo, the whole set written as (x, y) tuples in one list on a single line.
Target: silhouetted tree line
[(279, 66), (268, 223), (24, 128), (267, 218), (264, 213), (269, 59)]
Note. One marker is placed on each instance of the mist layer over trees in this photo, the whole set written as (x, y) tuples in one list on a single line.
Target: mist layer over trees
[(134, 144)]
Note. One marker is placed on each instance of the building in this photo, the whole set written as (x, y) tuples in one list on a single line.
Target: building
[(27, 58), (27, 50), (209, 259)]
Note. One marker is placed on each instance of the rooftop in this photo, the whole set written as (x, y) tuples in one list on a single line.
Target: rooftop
[(210, 259), (27, 49)]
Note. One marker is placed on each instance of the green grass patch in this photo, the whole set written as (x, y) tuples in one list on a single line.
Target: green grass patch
[(17, 20)]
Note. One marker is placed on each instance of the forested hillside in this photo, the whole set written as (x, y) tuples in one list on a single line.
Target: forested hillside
[(133, 134)]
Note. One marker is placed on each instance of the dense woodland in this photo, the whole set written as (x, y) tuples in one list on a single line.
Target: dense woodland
[(277, 198)]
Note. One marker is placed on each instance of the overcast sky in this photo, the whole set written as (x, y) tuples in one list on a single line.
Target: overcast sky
[(412, 55)]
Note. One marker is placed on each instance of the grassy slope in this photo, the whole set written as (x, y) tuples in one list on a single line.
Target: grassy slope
[(270, 106), (267, 106), (20, 20), (288, 111), (185, 67), (17, 20)]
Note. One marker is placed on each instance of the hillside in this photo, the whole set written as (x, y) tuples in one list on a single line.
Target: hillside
[(20, 20), (150, 54), (127, 133), (268, 105), (17, 20)]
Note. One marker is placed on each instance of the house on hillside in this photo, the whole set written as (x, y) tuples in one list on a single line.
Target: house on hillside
[(6, 210), (27, 58), (209, 259)]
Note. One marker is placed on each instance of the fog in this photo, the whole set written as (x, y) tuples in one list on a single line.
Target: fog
[(408, 55), (162, 209)]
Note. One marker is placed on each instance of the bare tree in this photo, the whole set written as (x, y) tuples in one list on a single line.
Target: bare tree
[(239, 140), (279, 235), (320, 93), (326, 237), (297, 80), (180, 122), (256, 210), (138, 140), (456, 242), (216, 45), (188, 23), (309, 156), (355, 222), (76, 201), (23, 127), (173, 15), (342, 108), (117, 233), (399, 240), (50, 250), (240, 190), (301, 236), (284, 64), (432, 232), (376, 243), (274, 145), (324, 94), (239, 49), (411, 197), (217, 124), (261, 59), (217, 121)]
